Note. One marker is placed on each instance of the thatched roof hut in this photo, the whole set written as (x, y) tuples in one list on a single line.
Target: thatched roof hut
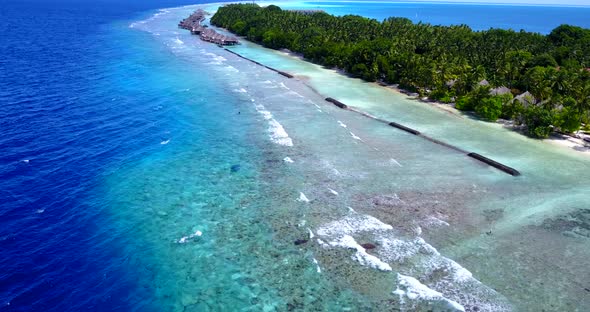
[(500, 91), (526, 99), (483, 83)]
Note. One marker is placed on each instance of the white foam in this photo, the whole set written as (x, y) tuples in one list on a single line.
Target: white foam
[(322, 243), (361, 255), (354, 136), (288, 160), (165, 142), (266, 114), (241, 90), (302, 198), (455, 271), (432, 221), (26, 161), (333, 192), (40, 211), (217, 59), (317, 265), (421, 257), (231, 68), (153, 17), (329, 166), (393, 249), (410, 288), (397, 250), (284, 86), (291, 92), (185, 239), (424, 256), (418, 230), (277, 133), (395, 162), (460, 274), (311, 236), (343, 125), (178, 41), (351, 224)]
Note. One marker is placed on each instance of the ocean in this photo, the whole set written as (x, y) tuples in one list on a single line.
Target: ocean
[(145, 170), (478, 16)]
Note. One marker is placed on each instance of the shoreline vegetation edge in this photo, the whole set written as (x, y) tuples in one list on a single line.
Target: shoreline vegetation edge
[(502, 167), (576, 140)]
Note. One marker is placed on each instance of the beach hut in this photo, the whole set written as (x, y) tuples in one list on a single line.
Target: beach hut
[(483, 83), (500, 91), (526, 99)]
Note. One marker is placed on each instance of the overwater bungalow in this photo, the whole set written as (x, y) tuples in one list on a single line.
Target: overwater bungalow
[(193, 20), (193, 24), (197, 30)]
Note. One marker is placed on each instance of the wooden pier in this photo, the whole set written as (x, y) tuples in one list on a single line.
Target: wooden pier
[(193, 24)]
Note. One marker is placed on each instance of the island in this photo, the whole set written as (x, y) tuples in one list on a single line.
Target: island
[(540, 83)]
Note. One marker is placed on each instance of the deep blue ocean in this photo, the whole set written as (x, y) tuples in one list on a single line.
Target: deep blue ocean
[(86, 101), (81, 95)]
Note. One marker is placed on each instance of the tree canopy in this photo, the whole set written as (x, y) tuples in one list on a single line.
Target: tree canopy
[(446, 63)]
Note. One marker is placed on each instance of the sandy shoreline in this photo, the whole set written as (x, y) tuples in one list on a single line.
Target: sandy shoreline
[(577, 144), (562, 140), (569, 142)]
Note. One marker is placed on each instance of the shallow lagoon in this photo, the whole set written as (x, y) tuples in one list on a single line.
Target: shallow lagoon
[(470, 234)]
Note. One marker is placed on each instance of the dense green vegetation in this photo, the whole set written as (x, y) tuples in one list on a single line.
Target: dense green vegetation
[(487, 72)]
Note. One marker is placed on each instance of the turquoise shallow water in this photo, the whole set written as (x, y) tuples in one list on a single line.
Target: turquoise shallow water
[(335, 179), (219, 185)]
